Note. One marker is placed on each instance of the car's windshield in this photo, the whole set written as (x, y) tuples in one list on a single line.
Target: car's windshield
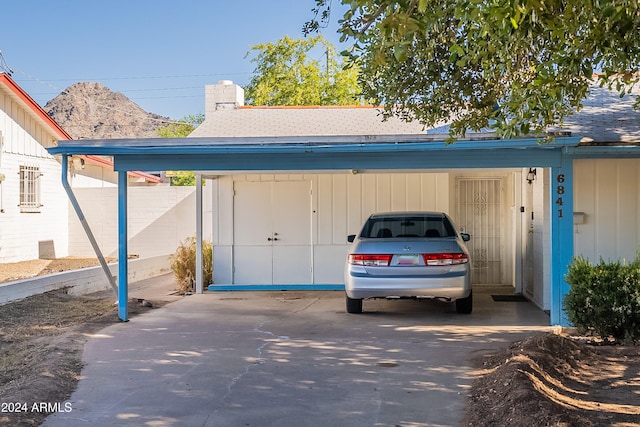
[(408, 226)]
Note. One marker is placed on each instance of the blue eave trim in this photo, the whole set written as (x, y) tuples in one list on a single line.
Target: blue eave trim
[(365, 160), (320, 153), (387, 143), (604, 152)]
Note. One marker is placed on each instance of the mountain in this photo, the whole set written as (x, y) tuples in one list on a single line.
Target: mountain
[(89, 110)]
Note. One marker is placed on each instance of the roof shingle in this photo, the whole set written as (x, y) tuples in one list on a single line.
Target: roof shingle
[(605, 119)]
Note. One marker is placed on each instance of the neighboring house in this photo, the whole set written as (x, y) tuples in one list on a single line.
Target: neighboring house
[(288, 184), (34, 208)]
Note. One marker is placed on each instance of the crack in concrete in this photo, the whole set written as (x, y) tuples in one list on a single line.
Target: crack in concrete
[(259, 360)]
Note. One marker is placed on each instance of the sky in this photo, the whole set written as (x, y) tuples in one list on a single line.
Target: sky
[(158, 53)]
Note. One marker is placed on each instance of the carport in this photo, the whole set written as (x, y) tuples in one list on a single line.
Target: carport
[(342, 153)]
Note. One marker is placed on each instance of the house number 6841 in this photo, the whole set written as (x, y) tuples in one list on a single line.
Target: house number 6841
[(560, 191)]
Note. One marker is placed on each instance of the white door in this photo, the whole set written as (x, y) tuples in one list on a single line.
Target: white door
[(479, 212), (529, 258), (272, 232)]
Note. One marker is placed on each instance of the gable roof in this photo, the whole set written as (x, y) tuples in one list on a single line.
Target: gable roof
[(33, 108), (605, 119), (302, 121)]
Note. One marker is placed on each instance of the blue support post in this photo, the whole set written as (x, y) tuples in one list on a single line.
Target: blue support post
[(561, 236), (199, 273), (123, 270)]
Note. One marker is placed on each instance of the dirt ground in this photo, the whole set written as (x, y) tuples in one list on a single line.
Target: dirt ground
[(544, 380), (556, 380), (42, 338)]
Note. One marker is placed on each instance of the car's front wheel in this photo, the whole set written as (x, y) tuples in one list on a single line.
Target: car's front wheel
[(354, 305), (465, 305)]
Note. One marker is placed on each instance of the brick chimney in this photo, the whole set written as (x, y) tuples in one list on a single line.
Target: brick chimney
[(223, 96)]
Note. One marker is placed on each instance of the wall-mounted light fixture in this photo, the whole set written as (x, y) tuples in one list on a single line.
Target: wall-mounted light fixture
[(78, 163), (531, 175)]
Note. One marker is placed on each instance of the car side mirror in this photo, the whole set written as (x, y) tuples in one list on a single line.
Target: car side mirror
[(351, 238), (465, 236)]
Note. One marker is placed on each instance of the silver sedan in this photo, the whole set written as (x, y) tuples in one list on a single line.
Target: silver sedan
[(408, 255)]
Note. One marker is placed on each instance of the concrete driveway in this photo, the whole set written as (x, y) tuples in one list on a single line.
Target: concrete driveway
[(291, 359)]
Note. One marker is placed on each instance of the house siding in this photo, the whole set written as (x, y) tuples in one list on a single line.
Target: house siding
[(24, 142), (542, 240), (22, 232), (23, 134), (607, 191), (340, 203)]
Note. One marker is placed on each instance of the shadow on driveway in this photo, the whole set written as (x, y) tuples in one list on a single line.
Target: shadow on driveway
[(291, 359)]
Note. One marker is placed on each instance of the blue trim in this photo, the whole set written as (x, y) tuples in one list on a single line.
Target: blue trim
[(310, 287), (561, 205), (262, 145), (604, 152), (374, 160), (123, 264), (383, 152)]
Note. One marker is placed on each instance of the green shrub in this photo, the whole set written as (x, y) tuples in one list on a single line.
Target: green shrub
[(183, 264), (605, 299)]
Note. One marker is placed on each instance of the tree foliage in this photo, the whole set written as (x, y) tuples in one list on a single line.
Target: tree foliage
[(181, 129), (515, 65), (286, 74)]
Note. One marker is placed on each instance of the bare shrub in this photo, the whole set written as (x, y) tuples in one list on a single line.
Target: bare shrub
[(183, 264)]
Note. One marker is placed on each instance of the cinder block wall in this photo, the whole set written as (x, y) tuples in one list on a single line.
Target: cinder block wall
[(159, 218)]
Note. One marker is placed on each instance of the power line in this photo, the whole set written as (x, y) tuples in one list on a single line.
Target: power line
[(130, 114), (164, 88), (3, 65), (57, 90), (152, 77)]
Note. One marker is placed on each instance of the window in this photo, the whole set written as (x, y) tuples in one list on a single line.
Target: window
[(409, 226), (30, 189)]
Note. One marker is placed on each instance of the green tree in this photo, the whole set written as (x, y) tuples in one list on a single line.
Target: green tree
[(515, 65), (286, 75), (181, 129)]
